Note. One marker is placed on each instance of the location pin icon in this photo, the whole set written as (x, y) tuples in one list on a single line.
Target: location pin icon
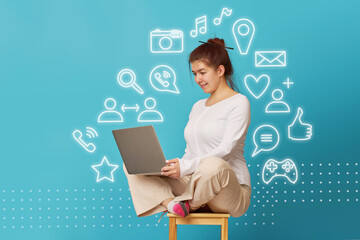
[(243, 30)]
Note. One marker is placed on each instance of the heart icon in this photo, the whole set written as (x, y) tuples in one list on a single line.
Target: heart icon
[(257, 86)]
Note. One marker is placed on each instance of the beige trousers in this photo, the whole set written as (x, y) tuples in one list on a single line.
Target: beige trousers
[(214, 183)]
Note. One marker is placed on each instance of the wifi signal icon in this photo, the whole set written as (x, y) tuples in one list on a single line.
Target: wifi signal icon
[(166, 74), (91, 133)]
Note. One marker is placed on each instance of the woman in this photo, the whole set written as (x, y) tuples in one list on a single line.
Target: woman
[(212, 174)]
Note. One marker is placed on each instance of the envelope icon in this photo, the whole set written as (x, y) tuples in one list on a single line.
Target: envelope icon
[(270, 58)]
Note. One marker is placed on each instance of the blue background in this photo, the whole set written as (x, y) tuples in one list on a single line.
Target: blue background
[(59, 61)]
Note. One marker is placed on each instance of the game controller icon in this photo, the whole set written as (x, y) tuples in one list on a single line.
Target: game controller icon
[(274, 169)]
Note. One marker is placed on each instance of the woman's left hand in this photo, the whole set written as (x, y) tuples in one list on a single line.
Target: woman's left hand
[(172, 168)]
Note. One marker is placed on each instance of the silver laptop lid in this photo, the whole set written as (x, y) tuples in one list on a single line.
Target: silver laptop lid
[(140, 150)]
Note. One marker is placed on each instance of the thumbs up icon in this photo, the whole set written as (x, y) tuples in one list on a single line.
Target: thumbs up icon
[(298, 130)]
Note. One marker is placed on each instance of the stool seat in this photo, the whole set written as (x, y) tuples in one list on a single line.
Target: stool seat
[(199, 219)]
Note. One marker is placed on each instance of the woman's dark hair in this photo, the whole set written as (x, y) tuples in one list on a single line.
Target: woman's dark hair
[(214, 54)]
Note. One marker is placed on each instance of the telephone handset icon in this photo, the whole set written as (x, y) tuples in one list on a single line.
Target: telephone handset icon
[(90, 147), (162, 82)]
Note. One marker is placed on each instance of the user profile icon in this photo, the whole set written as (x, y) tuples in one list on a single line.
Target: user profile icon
[(150, 115), (110, 115), (277, 106)]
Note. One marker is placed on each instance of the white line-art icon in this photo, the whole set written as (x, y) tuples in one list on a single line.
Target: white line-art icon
[(110, 115), (131, 83), (270, 58), (171, 41), (275, 169), (123, 108), (297, 130), (150, 115), (105, 164), (277, 106), (200, 26), (288, 83), (163, 78), (243, 31), (225, 11), (90, 133), (266, 138), (262, 84)]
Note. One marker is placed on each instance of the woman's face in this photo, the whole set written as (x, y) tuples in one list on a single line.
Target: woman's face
[(206, 76)]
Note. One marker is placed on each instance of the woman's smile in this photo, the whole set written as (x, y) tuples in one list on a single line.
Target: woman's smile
[(203, 85)]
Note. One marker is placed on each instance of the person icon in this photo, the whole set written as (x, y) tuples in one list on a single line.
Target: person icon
[(150, 115), (277, 106), (110, 115)]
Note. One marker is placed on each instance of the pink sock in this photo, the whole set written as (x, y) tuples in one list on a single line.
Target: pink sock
[(181, 208)]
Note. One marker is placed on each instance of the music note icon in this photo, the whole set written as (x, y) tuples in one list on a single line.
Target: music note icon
[(201, 22), (225, 11)]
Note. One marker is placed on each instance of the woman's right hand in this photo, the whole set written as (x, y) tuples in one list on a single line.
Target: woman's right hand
[(172, 169)]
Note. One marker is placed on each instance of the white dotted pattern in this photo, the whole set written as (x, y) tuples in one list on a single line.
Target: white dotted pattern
[(112, 208)]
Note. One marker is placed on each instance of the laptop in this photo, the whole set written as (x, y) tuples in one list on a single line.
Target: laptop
[(140, 150)]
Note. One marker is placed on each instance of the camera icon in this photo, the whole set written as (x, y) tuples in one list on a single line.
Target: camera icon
[(166, 41)]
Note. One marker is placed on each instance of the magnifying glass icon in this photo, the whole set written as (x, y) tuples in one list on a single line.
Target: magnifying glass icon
[(131, 83)]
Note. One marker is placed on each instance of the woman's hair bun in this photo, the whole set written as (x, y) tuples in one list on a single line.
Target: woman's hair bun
[(219, 41)]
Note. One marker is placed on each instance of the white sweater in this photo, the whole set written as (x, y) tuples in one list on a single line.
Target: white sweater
[(218, 130)]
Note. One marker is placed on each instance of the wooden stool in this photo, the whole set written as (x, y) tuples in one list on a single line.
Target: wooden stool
[(199, 219)]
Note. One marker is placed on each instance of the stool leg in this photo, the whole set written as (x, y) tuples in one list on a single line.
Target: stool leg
[(224, 229), (172, 229)]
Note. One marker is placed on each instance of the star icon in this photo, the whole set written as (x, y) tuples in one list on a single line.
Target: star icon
[(105, 165)]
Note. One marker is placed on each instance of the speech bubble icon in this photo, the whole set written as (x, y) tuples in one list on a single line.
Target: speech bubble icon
[(163, 78), (266, 138)]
